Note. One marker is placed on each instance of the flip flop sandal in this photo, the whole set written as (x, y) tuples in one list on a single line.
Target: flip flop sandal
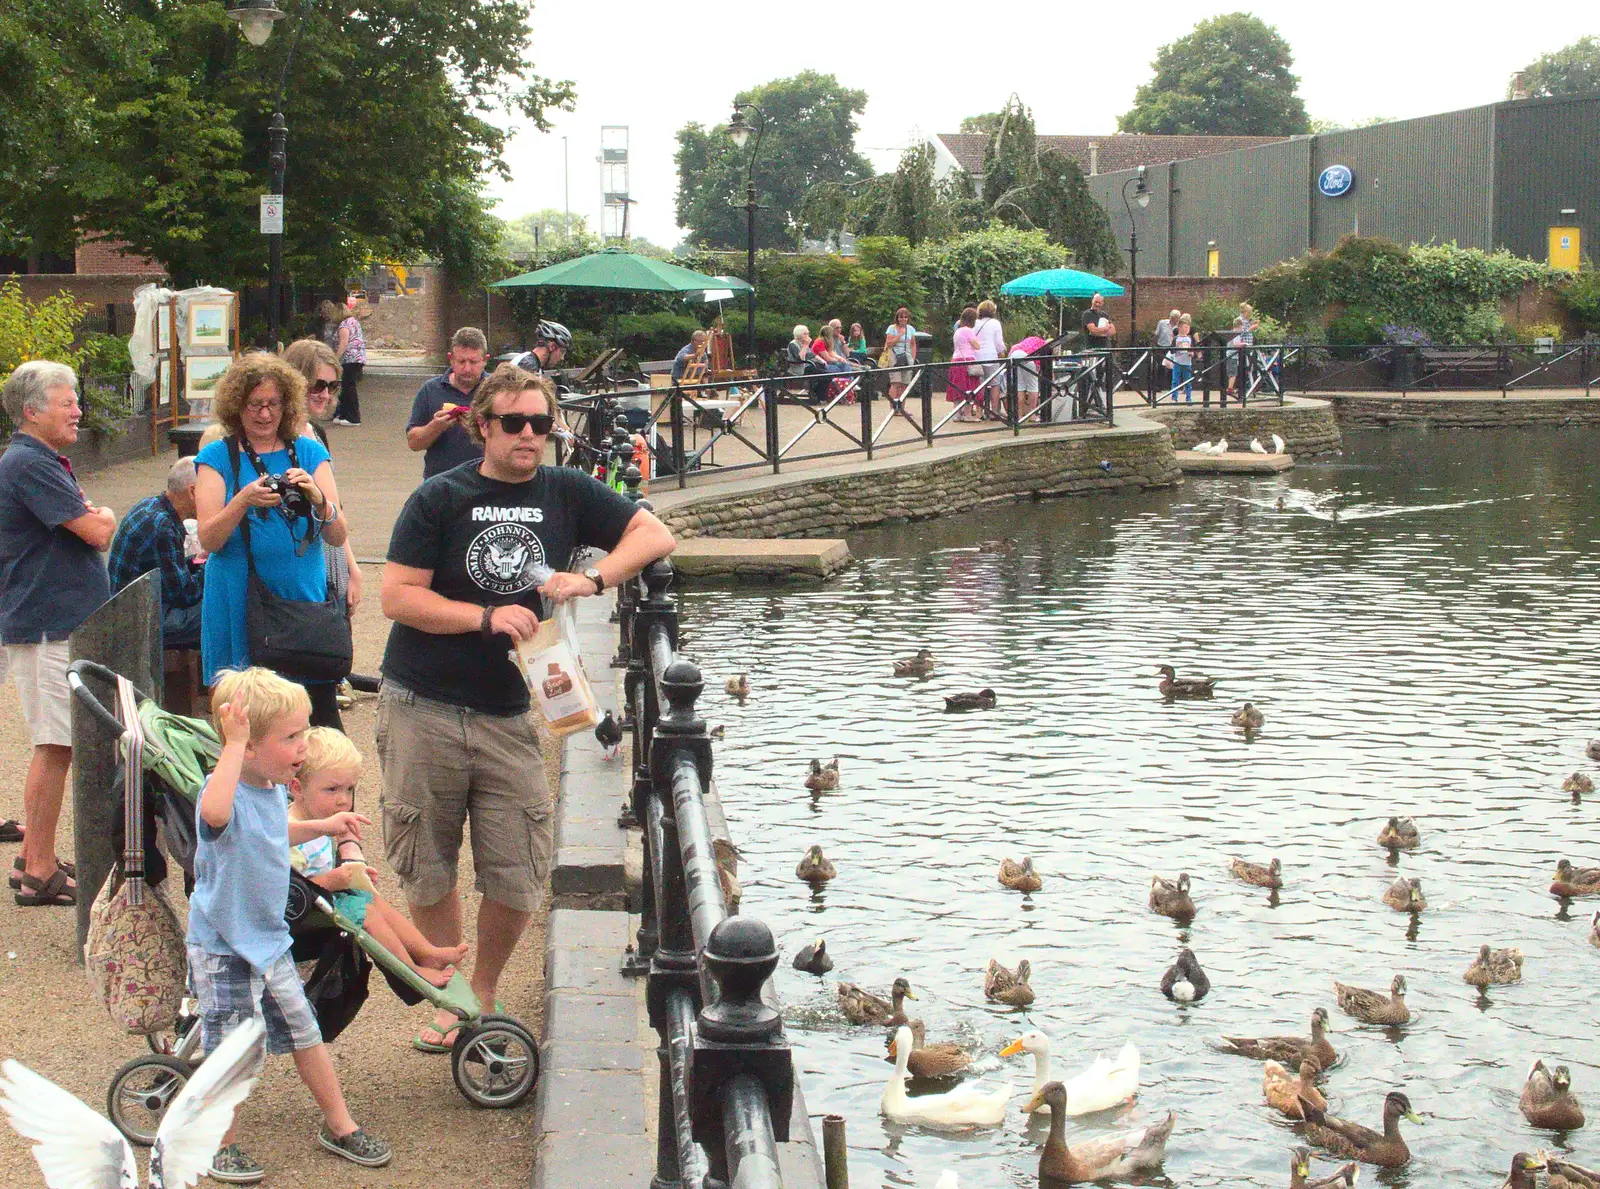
[(49, 893), (10, 831), (429, 1046), (15, 878)]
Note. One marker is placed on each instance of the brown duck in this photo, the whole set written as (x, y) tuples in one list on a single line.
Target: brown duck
[(823, 778), (1171, 897), (1344, 1138), (1575, 881), (1300, 1173), (1094, 1159), (1006, 986), (1548, 1101), (1289, 1050), (1494, 967), (1173, 686), (941, 1059), (1405, 895), (1594, 930), (1565, 1175), (915, 666), (1268, 876), (815, 867), (1400, 833), (1374, 1007), (863, 1007), (1578, 785), (1283, 1090), (1523, 1167), (1020, 877)]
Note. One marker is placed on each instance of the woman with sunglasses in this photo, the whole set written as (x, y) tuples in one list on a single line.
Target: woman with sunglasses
[(316, 361), (479, 555)]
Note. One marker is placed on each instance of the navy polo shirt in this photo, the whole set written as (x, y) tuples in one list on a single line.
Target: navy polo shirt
[(51, 579), (455, 445)]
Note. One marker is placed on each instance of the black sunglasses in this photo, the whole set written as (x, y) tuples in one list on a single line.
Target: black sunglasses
[(514, 423), (331, 387)]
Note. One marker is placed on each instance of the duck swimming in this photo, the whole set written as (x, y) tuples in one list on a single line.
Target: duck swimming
[(941, 1059), (1103, 1085), (1548, 1101), (1400, 834), (1248, 717), (1300, 1172), (1289, 1050), (1523, 1167), (965, 1106), (1095, 1159), (1010, 987), (815, 868), (984, 699), (1020, 877), (814, 958), (863, 1007), (1173, 686), (823, 778), (1171, 899), (1405, 895), (1184, 981), (1283, 1090), (1566, 1175), (1594, 929), (1577, 784), (738, 687), (1374, 1007), (919, 665), (1344, 1138), (1575, 881), (1494, 967), (1268, 875)]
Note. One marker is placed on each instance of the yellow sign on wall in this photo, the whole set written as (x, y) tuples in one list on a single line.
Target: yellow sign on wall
[(1214, 262), (1566, 247)]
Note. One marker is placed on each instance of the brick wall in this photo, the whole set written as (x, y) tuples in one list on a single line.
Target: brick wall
[(465, 307), (1160, 295), (112, 256)]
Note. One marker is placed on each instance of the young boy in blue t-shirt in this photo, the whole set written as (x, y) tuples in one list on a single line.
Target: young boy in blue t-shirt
[(238, 943)]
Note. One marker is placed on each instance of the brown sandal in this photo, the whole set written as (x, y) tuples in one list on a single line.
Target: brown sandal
[(48, 893), (15, 878)]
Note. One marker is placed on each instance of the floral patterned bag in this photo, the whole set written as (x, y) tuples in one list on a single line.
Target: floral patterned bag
[(134, 952)]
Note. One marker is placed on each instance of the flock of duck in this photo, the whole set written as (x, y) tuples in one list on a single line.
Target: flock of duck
[(1292, 1064)]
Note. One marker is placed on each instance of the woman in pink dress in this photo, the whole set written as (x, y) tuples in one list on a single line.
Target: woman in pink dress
[(960, 383)]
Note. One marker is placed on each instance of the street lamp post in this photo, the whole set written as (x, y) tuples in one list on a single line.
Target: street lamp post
[(739, 133), (1142, 196)]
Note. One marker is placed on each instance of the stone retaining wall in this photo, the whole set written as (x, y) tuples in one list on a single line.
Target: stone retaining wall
[(1366, 411), (1307, 426), (1007, 469)]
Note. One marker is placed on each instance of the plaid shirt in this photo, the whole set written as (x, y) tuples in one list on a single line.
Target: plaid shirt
[(151, 538)]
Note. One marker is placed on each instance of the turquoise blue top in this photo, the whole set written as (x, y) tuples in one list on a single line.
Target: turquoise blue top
[(241, 878), (223, 642)]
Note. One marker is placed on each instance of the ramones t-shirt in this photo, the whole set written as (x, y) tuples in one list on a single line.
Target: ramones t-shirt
[(484, 541)]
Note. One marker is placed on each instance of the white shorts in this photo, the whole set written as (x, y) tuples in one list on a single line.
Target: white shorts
[(40, 673)]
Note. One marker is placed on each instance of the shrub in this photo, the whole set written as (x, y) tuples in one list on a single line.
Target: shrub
[(965, 269), (48, 329), (1356, 326), (1528, 332), (106, 355), (1213, 315), (1580, 297)]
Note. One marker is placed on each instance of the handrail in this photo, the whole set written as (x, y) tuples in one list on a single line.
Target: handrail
[(727, 1075)]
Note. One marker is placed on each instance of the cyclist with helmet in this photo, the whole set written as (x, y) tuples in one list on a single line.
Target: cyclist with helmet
[(551, 342)]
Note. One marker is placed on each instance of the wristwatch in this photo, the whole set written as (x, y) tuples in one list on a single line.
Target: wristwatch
[(593, 575)]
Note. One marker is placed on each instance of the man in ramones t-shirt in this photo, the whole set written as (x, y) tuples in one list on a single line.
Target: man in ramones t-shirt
[(468, 575)]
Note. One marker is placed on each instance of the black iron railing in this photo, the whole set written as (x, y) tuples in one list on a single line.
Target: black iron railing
[(727, 1077)]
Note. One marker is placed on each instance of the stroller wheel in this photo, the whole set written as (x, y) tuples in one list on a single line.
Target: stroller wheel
[(495, 1062), (141, 1093)]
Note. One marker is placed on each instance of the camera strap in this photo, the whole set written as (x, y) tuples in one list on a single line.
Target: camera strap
[(313, 529)]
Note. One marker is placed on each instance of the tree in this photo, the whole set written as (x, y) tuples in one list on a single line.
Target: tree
[(1572, 70), (153, 129), (810, 137), (544, 234), (1229, 77), (907, 203), (984, 123)]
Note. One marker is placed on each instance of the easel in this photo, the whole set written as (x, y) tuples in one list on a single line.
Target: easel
[(167, 415), (721, 344)]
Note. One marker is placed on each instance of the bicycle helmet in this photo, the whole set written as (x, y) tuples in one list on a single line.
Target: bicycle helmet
[(553, 332)]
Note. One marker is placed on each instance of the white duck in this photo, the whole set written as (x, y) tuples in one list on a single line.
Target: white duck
[(1256, 447), (965, 1106), (1201, 447), (78, 1149), (947, 1180), (1221, 447), (1277, 444), (1103, 1085)]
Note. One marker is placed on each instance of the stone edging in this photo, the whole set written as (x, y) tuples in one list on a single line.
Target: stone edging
[(1372, 411), (1308, 427)]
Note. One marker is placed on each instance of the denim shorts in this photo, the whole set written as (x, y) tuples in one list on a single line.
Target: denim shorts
[(232, 991)]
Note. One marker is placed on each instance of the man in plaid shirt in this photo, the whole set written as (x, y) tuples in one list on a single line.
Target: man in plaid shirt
[(151, 538)]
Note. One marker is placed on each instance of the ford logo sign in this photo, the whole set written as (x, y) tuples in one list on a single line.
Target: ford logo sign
[(1335, 180)]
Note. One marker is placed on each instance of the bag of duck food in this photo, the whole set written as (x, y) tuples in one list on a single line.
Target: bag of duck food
[(553, 669)]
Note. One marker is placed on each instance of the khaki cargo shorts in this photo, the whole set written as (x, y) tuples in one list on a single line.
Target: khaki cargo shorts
[(444, 765)]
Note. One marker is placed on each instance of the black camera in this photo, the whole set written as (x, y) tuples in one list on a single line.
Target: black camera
[(295, 501)]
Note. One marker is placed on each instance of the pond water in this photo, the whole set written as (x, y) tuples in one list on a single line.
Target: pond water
[(1428, 652)]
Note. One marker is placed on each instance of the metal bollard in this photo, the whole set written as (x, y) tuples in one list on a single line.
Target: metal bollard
[(835, 1155)]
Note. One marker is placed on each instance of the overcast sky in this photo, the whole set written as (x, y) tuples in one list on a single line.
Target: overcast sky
[(926, 65)]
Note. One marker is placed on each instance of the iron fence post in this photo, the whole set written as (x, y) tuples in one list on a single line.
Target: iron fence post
[(678, 457), (1011, 397), (1587, 378), (774, 391), (864, 392), (655, 607), (924, 381)]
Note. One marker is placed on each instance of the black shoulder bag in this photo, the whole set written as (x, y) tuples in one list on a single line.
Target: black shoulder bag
[(298, 638)]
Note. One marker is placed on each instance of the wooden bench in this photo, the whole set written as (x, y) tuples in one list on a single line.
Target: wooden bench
[(1461, 361)]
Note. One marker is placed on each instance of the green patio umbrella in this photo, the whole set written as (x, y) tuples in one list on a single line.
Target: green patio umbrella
[(622, 272)]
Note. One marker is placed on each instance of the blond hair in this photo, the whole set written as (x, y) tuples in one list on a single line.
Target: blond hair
[(307, 355), (247, 374), (266, 696), (987, 309), (508, 377), (328, 750)]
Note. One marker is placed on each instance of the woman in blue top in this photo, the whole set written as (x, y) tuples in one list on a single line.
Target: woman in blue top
[(260, 403)]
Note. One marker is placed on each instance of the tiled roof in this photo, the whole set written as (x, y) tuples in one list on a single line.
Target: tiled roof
[(1118, 150)]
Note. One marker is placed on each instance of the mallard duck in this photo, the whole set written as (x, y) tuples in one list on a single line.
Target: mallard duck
[(1575, 881), (1094, 1159), (1523, 1167), (1405, 895), (1289, 1050), (915, 666), (1577, 784), (1548, 1101), (1594, 929), (1184, 981), (1374, 1007), (1400, 834), (1005, 986), (1300, 1173), (1248, 717), (1268, 876), (1565, 1175), (823, 777), (1104, 1084), (717, 732), (863, 1007), (1494, 966), (982, 700), (738, 687), (732, 889), (1171, 899), (814, 958), (941, 1059), (815, 867), (1344, 1138), (965, 1106), (1283, 1090), (1020, 877), (1173, 686)]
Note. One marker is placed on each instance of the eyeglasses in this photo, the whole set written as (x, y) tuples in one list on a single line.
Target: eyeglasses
[(264, 406), (331, 387), (515, 423)]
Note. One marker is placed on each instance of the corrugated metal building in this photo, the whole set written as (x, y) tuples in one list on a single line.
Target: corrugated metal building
[(1523, 175)]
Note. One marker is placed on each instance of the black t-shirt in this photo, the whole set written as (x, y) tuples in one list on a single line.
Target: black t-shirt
[(455, 445), (483, 539), (1092, 317)]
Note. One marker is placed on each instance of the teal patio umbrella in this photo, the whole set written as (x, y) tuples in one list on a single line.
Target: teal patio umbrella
[(1060, 283)]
